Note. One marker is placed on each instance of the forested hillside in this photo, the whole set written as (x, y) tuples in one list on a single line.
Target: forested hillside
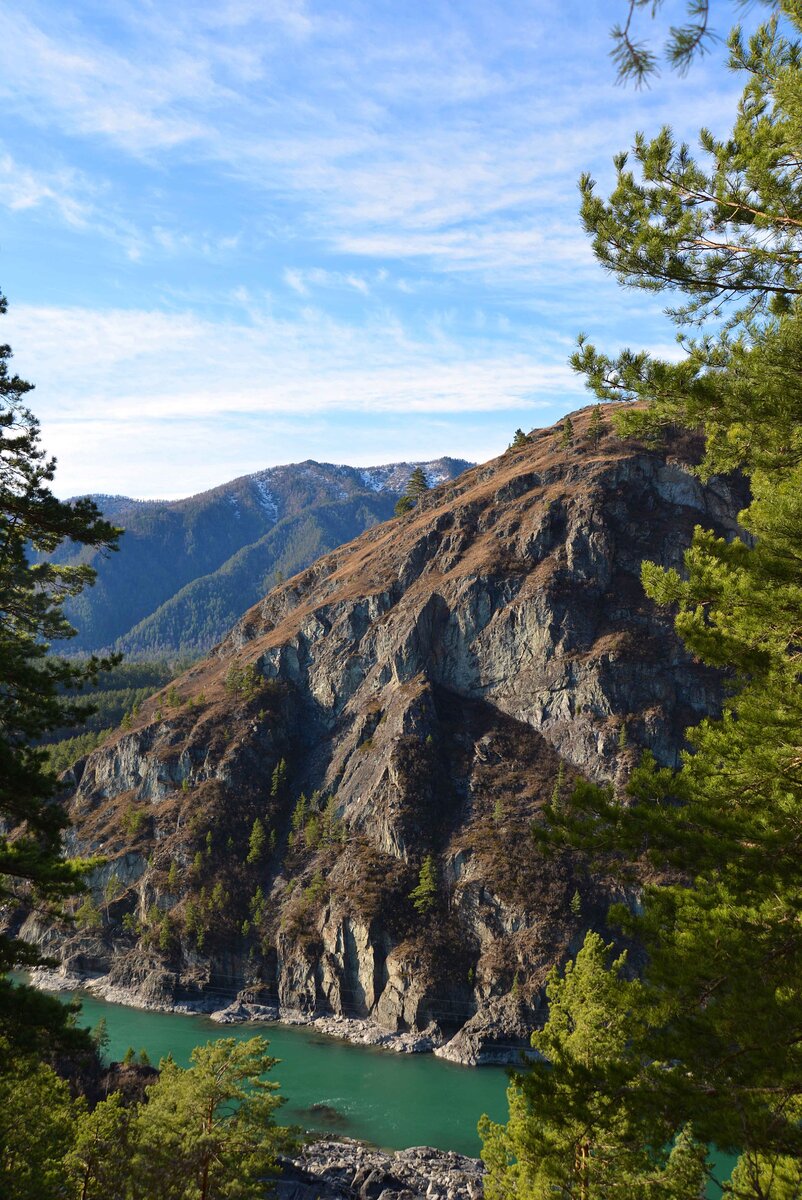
[(115, 698), (186, 570)]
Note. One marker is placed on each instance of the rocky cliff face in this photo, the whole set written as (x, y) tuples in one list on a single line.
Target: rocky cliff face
[(418, 694)]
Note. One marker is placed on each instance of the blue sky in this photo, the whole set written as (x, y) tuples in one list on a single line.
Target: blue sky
[(249, 232)]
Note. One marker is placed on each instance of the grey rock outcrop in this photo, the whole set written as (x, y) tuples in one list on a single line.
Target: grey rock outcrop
[(348, 1170), (429, 687)]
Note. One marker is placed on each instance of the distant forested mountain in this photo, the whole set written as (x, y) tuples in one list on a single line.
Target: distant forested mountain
[(187, 569)]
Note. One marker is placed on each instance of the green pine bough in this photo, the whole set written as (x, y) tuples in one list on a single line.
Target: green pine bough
[(641, 1076)]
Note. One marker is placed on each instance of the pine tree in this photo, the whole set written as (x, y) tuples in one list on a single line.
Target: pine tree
[(520, 439), (209, 1130), (418, 485), (595, 427), (424, 895), (403, 505), (567, 1137), (100, 1037), (32, 682), (714, 1047), (278, 783), (256, 844), (567, 433), (100, 1163), (37, 1121)]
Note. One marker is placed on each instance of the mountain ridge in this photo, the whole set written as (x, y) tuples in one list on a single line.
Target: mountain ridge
[(139, 604)]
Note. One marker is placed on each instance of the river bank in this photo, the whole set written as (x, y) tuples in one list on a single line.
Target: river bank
[(348, 1170), (236, 1010)]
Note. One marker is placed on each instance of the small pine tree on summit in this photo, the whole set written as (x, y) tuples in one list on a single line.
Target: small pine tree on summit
[(519, 439), (595, 427), (418, 485)]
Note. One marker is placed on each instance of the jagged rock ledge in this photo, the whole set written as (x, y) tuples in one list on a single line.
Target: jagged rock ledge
[(348, 1170)]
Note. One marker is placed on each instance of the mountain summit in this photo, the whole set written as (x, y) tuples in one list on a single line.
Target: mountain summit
[(332, 813)]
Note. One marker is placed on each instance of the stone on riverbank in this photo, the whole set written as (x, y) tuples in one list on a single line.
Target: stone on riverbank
[(349, 1170)]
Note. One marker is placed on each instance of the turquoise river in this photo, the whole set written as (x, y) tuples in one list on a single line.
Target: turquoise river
[(392, 1100), (332, 1086)]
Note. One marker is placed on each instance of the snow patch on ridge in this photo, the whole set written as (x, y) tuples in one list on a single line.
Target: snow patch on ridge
[(266, 497)]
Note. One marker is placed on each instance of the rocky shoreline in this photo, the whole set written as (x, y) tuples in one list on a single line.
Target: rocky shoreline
[(348, 1170), (357, 1031)]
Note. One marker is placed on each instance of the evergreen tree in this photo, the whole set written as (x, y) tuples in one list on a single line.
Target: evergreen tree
[(99, 1164), (256, 844), (100, 1036), (209, 1131), (567, 433), (418, 485), (686, 39), (403, 505), (278, 783), (568, 1136), (424, 895), (519, 440), (32, 682), (595, 427), (37, 1118), (715, 1046)]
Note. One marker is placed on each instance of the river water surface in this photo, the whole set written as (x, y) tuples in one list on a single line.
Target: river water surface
[(393, 1100)]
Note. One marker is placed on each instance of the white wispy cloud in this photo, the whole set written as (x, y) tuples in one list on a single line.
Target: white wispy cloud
[(428, 145), (177, 374), (177, 364), (309, 219)]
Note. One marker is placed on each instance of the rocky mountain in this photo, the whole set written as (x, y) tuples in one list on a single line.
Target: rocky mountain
[(186, 570), (331, 815)]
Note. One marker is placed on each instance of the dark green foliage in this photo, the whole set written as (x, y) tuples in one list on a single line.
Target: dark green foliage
[(62, 755), (113, 699), (32, 683), (99, 1164), (567, 1136), (520, 439), (567, 433), (37, 1122), (403, 506), (595, 427), (424, 895), (205, 1133), (256, 844), (710, 1046), (418, 485), (244, 680), (278, 782)]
